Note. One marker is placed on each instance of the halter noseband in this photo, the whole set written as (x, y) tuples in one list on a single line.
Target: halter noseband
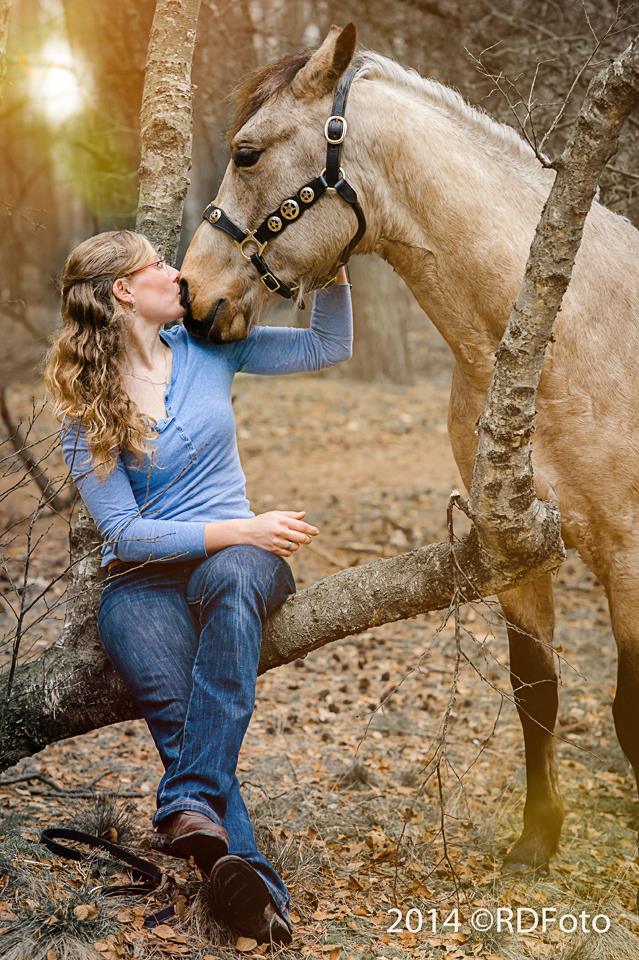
[(330, 180)]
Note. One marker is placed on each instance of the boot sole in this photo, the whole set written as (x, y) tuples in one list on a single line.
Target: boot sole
[(240, 896)]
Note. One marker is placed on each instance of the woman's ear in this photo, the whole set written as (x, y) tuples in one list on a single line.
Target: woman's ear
[(122, 292)]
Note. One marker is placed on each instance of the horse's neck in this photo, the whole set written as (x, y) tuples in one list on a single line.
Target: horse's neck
[(453, 217)]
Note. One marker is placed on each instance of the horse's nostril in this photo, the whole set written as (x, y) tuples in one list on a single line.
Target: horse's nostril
[(185, 298), (205, 328), (209, 321)]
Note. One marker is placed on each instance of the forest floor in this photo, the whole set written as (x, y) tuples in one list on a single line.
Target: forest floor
[(335, 764)]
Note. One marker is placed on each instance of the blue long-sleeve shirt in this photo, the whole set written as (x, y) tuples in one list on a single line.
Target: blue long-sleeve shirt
[(159, 507)]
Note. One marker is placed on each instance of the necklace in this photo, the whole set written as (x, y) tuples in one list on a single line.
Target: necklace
[(156, 383)]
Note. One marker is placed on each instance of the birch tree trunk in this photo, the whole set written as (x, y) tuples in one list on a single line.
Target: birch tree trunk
[(71, 689), (166, 123)]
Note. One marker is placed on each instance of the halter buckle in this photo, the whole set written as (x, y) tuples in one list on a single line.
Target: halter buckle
[(266, 278), (342, 120), (251, 238)]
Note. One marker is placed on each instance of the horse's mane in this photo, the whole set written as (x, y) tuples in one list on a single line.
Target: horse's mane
[(263, 84), (491, 132), (269, 80)]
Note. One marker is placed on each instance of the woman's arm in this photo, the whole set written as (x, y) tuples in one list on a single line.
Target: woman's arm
[(135, 538), (328, 339), (111, 503)]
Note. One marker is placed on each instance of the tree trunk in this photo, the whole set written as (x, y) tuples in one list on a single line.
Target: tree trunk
[(166, 121), (45, 704), (382, 305), (166, 124)]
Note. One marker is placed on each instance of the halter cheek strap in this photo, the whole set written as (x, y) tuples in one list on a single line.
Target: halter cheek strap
[(252, 244)]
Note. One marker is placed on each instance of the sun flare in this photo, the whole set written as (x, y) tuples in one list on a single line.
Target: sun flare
[(54, 84)]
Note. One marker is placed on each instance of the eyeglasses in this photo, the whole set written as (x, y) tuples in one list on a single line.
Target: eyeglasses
[(160, 264)]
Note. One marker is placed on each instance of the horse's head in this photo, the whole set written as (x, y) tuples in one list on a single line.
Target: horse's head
[(277, 146)]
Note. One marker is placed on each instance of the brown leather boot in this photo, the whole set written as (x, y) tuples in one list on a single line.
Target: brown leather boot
[(189, 834), (241, 899)]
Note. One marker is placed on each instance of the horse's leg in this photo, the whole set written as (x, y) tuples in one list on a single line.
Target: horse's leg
[(533, 674), (622, 587), (530, 614)]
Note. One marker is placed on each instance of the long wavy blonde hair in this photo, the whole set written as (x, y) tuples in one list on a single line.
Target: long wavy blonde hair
[(83, 366)]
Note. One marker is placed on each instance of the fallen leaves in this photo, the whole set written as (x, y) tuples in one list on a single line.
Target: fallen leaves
[(245, 944), (331, 952), (86, 911), (312, 722)]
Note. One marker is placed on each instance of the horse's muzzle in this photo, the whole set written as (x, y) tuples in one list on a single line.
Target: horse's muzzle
[(206, 328)]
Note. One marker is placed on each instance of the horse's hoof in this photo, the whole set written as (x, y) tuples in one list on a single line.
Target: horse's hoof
[(518, 868), (531, 854)]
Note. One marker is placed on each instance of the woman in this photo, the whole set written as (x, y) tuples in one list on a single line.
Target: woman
[(149, 435)]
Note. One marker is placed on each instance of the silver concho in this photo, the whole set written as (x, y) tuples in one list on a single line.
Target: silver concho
[(215, 216), (290, 209), (274, 224), (307, 194)]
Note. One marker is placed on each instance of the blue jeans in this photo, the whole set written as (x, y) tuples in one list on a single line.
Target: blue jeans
[(185, 636)]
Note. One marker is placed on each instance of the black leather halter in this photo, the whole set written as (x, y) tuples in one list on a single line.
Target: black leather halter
[(330, 180)]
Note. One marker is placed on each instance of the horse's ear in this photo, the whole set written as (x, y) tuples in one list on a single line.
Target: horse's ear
[(320, 75)]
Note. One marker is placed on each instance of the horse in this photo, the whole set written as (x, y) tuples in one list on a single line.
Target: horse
[(451, 200)]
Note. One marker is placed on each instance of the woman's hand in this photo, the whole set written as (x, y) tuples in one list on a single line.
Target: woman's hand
[(281, 532)]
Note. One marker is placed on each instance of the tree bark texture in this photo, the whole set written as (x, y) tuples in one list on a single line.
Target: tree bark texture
[(514, 526), (71, 689), (165, 160), (166, 124)]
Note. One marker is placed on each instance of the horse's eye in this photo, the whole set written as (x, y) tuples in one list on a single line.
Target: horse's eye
[(246, 157)]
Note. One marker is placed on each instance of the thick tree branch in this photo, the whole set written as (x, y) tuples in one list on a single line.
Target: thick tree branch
[(72, 689)]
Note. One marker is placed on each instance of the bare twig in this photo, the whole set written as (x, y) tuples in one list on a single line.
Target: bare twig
[(33, 470)]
